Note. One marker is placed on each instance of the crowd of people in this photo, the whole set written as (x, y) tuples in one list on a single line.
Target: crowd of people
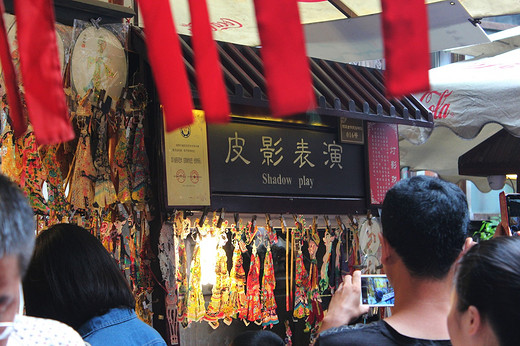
[(448, 289)]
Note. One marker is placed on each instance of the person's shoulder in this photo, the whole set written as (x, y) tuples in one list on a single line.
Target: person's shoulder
[(29, 330), (359, 334), (120, 327)]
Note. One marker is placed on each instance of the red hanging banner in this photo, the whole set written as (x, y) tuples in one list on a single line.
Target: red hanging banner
[(286, 66), (406, 44), (210, 82), (167, 63), (41, 71), (18, 121)]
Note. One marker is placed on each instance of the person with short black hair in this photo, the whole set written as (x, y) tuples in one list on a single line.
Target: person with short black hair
[(485, 302), (17, 233), (424, 227), (73, 279)]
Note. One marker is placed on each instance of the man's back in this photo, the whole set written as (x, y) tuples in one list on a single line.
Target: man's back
[(376, 333)]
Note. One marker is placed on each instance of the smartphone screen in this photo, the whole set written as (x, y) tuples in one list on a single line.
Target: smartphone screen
[(513, 211), (376, 291)]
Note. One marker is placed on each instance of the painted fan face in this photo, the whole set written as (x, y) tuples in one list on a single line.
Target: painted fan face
[(98, 62), (369, 244)]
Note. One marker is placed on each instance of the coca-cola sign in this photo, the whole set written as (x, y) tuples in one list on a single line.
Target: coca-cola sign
[(438, 103), (222, 24)]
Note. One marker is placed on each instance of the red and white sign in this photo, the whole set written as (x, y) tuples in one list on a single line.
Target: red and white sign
[(383, 159)]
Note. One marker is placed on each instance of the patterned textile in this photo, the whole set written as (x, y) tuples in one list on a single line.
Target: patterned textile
[(139, 167), (237, 305), (31, 180), (120, 166), (182, 282), (220, 291), (316, 313), (84, 174), (105, 193), (38, 331), (196, 307), (55, 190), (301, 302), (7, 152), (324, 281), (269, 316), (254, 308)]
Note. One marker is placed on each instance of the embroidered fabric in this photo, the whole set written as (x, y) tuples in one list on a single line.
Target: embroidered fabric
[(237, 305), (220, 291), (182, 282), (104, 191), (81, 192), (120, 164), (31, 180), (324, 281), (196, 307), (269, 316), (254, 308), (301, 301)]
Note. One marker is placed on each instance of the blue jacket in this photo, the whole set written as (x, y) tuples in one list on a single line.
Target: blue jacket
[(119, 327)]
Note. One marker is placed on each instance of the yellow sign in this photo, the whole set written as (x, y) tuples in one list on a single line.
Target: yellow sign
[(186, 160)]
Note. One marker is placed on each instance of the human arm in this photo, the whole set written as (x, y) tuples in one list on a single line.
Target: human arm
[(345, 304)]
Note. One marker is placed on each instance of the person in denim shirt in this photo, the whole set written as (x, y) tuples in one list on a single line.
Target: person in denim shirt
[(73, 279)]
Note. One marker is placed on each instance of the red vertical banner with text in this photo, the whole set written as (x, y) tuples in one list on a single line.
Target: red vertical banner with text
[(383, 159)]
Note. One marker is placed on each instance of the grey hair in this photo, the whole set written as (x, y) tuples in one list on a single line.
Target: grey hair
[(17, 227)]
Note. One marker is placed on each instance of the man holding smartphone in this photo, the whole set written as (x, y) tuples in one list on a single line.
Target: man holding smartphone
[(425, 223)]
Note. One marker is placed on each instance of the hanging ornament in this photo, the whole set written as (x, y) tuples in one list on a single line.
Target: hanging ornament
[(269, 316), (196, 307), (254, 309)]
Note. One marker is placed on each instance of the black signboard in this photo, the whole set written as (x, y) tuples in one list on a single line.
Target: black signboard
[(268, 160)]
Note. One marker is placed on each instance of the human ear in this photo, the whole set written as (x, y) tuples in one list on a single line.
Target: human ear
[(473, 321), (385, 251)]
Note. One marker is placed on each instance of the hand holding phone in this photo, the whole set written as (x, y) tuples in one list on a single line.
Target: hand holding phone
[(376, 291), (510, 212)]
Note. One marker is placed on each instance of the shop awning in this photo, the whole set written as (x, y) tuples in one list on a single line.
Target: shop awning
[(234, 20), (341, 90), (471, 101), (497, 155)]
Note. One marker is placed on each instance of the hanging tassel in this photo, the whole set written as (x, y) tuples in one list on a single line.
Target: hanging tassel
[(167, 63), (406, 42), (41, 71), (18, 123), (286, 66), (210, 82)]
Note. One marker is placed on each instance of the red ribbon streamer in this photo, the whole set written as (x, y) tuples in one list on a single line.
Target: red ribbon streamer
[(406, 43), (18, 122), (286, 66), (167, 63), (41, 71), (210, 82)]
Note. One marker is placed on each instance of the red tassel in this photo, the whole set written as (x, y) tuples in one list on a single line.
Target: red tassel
[(406, 41), (286, 66), (167, 63), (18, 122), (210, 82), (41, 71)]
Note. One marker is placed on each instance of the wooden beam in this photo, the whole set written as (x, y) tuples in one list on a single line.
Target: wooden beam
[(340, 6)]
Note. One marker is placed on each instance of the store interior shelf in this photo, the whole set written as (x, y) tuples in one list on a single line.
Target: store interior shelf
[(68, 10)]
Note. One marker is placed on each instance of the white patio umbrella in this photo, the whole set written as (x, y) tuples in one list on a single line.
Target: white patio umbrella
[(470, 100)]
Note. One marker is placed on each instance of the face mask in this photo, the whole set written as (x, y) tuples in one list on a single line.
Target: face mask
[(8, 326)]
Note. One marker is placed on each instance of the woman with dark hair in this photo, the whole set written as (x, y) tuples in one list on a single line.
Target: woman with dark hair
[(486, 301), (73, 279)]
